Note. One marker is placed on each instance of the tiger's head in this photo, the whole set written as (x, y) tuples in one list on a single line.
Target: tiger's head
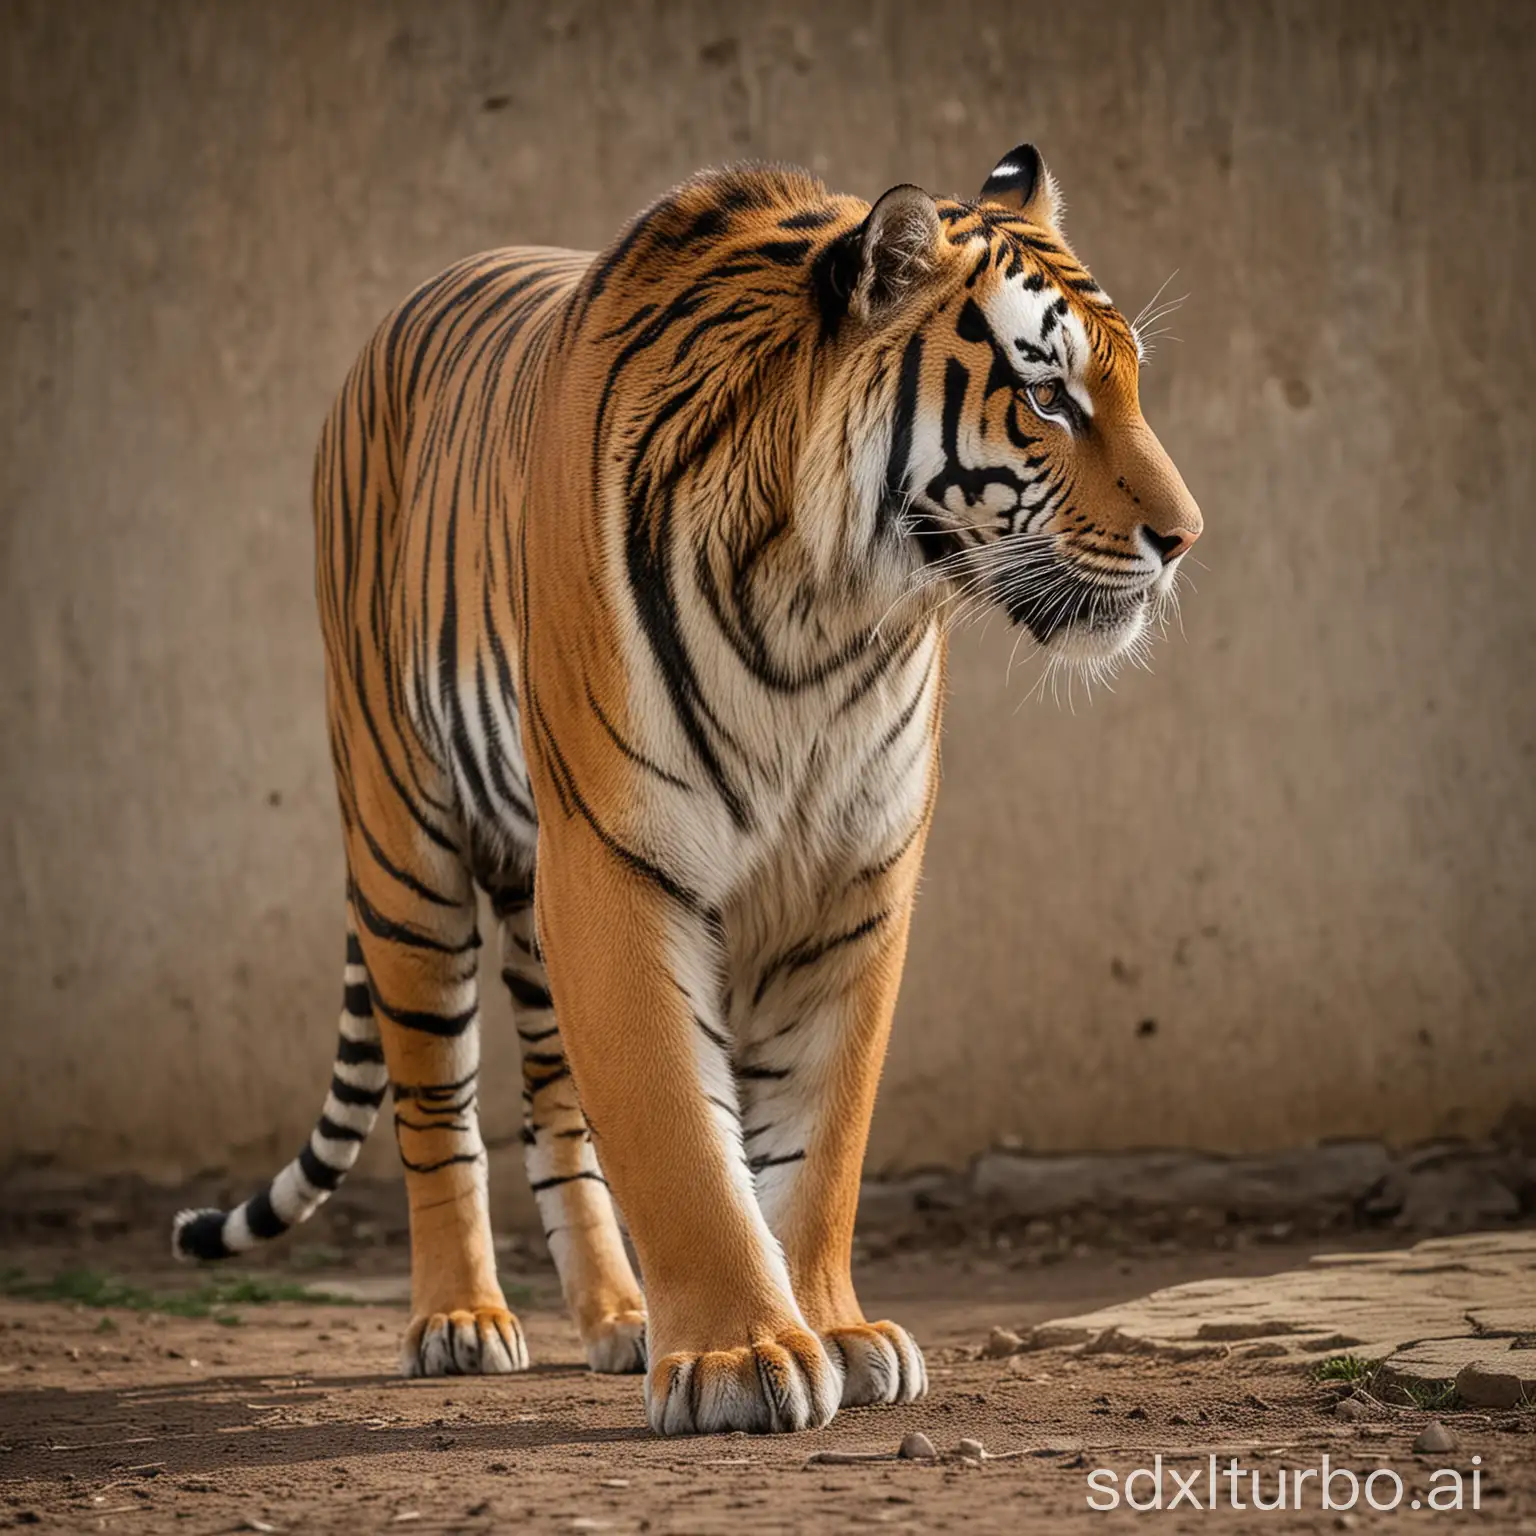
[(991, 415)]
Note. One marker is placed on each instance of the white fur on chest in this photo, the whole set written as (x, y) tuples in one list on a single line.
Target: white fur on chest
[(829, 786)]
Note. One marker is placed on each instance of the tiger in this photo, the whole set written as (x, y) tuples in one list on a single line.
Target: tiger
[(635, 572)]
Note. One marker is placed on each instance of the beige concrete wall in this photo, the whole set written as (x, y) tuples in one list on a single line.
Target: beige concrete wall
[(1305, 846)]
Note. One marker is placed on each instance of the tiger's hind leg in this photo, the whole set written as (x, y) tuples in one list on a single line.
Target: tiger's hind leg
[(415, 920), (575, 1207)]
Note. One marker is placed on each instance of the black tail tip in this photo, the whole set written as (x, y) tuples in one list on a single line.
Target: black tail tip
[(199, 1235)]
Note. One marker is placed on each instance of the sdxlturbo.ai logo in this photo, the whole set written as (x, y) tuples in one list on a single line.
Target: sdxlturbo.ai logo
[(1163, 1486)]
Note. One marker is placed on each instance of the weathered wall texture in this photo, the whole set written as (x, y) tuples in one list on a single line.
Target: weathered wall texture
[(1304, 847)]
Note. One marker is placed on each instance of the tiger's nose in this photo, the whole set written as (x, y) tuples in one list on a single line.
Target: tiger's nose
[(1169, 546)]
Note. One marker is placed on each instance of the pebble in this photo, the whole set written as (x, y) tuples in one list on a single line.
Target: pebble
[(845, 1458), (1484, 1387), (1435, 1439), (971, 1450), (1350, 1409), (1001, 1343), (916, 1446)]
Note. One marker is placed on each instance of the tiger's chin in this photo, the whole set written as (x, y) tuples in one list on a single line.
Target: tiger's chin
[(1103, 637), (1091, 634)]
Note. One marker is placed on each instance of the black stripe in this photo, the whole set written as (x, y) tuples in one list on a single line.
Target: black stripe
[(648, 557), (810, 952), (539, 1185), (526, 993), (547, 1081), (261, 1218), (429, 1091), (356, 1001), (203, 1237), (898, 461), (332, 1131), (319, 1172), (445, 1025), (713, 1035), (634, 755), (809, 218), (449, 1125), (783, 253), (636, 862), (354, 1053), (345, 1093), (383, 927), (442, 1162)]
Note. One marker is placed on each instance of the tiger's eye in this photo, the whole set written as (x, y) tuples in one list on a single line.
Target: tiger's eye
[(1046, 394)]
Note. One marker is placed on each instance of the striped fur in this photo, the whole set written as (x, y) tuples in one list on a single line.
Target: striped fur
[(633, 572)]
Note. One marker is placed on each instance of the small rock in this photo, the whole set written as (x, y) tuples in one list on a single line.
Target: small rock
[(1059, 1448), (916, 1446), (1351, 1409), (971, 1450), (845, 1458), (1177, 1418), (1344, 1522), (614, 1482), (1435, 1439), (1137, 1413), (1483, 1386), (1001, 1343)]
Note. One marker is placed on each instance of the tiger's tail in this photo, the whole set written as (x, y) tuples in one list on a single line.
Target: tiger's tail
[(358, 1084)]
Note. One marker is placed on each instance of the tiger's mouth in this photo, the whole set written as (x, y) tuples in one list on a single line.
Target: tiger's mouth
[(1080, 618)]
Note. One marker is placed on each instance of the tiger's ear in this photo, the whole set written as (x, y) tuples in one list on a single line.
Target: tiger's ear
[(1021, 182), (898, 247)]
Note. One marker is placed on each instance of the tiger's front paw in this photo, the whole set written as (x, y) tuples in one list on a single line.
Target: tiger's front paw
[(615, 1344), (881, 1363), (783, 1381), (482, 1341)]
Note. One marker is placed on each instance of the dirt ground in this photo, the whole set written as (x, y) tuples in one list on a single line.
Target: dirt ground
[(287, 1417)]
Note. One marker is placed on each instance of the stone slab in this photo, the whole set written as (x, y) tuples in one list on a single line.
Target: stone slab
[(1370, 1305)]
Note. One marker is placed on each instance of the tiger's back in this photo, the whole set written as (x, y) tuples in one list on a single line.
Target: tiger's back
[(420, 469)]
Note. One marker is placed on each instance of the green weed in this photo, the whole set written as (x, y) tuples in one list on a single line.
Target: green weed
[(91, 1288)]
